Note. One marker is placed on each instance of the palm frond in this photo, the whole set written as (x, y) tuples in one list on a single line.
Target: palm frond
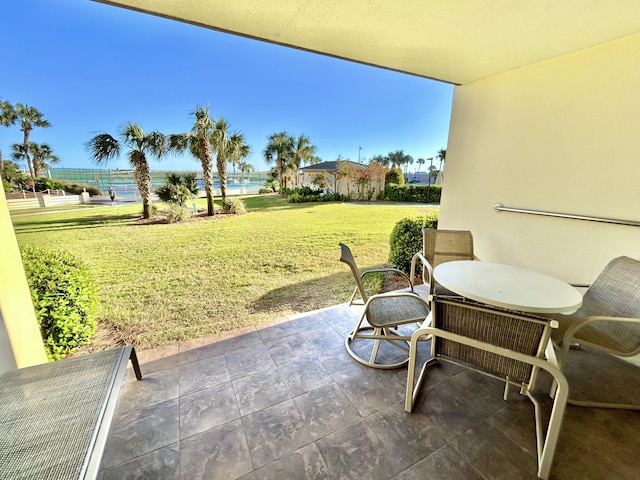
[(102, 148)]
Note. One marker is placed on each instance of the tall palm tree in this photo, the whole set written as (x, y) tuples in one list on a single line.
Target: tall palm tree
[(420, 162), (221, 145), (303, 151), (279, 148), (103, 148), (199, 143), (42, 155), (7, 117), (29, 117), (237, 150)]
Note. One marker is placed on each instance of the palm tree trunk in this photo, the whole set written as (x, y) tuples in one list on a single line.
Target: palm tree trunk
[(25, 145), (142, 175), (207, 177), (222, 177)]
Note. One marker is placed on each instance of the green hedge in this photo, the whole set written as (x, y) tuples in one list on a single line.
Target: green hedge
[(406, 239), (413, 193), (64, 297)]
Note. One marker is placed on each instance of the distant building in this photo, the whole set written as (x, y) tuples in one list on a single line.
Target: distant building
[(339, 185)]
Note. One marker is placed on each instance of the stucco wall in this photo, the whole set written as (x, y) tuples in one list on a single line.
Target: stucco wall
[(20, 341), (562, 136)]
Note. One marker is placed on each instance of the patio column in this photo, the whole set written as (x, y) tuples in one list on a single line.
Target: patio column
[(20, 340)]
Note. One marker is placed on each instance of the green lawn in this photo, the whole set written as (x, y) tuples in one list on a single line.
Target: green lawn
[(162, 283)]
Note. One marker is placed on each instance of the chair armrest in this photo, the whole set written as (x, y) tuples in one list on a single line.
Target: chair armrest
[(593, 319), (425, 266), (388, 269)]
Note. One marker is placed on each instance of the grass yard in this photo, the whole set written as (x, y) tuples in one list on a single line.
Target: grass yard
[(161, 283)]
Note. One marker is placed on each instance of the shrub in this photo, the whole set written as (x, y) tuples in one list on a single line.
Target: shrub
[(175, 212), (265, 190), (406, 239), (77, 188), (413, 193), (394, 175), (235, 205), (42, 184), (178, 189), (64, 297)]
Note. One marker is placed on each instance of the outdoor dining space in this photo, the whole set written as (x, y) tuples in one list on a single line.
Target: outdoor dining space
[(288, 400)]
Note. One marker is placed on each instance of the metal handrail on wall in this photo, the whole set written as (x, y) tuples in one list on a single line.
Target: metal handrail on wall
[(499, 207)]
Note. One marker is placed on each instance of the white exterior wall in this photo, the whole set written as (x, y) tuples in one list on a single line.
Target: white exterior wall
[(561, 136)]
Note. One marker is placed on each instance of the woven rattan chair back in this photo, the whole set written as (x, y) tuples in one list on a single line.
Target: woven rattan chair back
[(519, 332), (440, 246), (615, 293)]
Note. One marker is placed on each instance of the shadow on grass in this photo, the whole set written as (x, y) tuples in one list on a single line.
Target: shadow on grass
[(321, 292), (40, 224)]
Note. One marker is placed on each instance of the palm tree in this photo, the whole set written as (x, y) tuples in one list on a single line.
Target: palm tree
[(42, 155), (442, 156), (103, 148), (280, 146), (199, 143), (245, 167), (420, 162), (303, 151), (29, 117), (221, 144), (7, 117), (237, 149)]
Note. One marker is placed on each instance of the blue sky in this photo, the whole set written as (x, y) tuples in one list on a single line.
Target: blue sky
[(90, 67)]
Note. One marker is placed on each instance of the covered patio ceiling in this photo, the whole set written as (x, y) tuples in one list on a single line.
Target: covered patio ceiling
[(453, 41)]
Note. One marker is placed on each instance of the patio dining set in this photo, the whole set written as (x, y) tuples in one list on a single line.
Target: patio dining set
[(502, 321)]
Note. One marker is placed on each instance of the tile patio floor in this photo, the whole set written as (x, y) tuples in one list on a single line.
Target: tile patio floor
[(285, 401)]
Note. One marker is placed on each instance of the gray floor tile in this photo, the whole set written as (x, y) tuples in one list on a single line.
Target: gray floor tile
[(443, 464), (249, 360), (303, 464), (161, 464), (203, 374), (494, 455), (288, 349), (221, 452), (260, 390), (304, 375), (326, 410), (408, 437), (142, 431), (208, 408), (155, 387), (356, 453), (275, 432)]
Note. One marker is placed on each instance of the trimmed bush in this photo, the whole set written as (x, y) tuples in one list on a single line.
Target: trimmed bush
[(262, 191), (64, 297), (406, 239), (413, 193)]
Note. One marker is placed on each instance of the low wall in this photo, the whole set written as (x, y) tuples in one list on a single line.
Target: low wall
[(46, 201)]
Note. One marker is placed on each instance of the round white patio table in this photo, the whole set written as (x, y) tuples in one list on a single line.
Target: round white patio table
[(507, 286)]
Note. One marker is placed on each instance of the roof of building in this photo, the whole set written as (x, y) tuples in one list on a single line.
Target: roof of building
[(331, 166)]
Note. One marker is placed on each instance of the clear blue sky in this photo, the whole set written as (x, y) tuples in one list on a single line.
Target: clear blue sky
[(90, 67)]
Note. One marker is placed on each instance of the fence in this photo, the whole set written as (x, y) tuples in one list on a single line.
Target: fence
[(124, 184)]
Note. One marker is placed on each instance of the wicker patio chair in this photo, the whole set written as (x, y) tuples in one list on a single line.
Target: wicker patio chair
[(608, 320), (503, 344), (440, 246), (382, 316)]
